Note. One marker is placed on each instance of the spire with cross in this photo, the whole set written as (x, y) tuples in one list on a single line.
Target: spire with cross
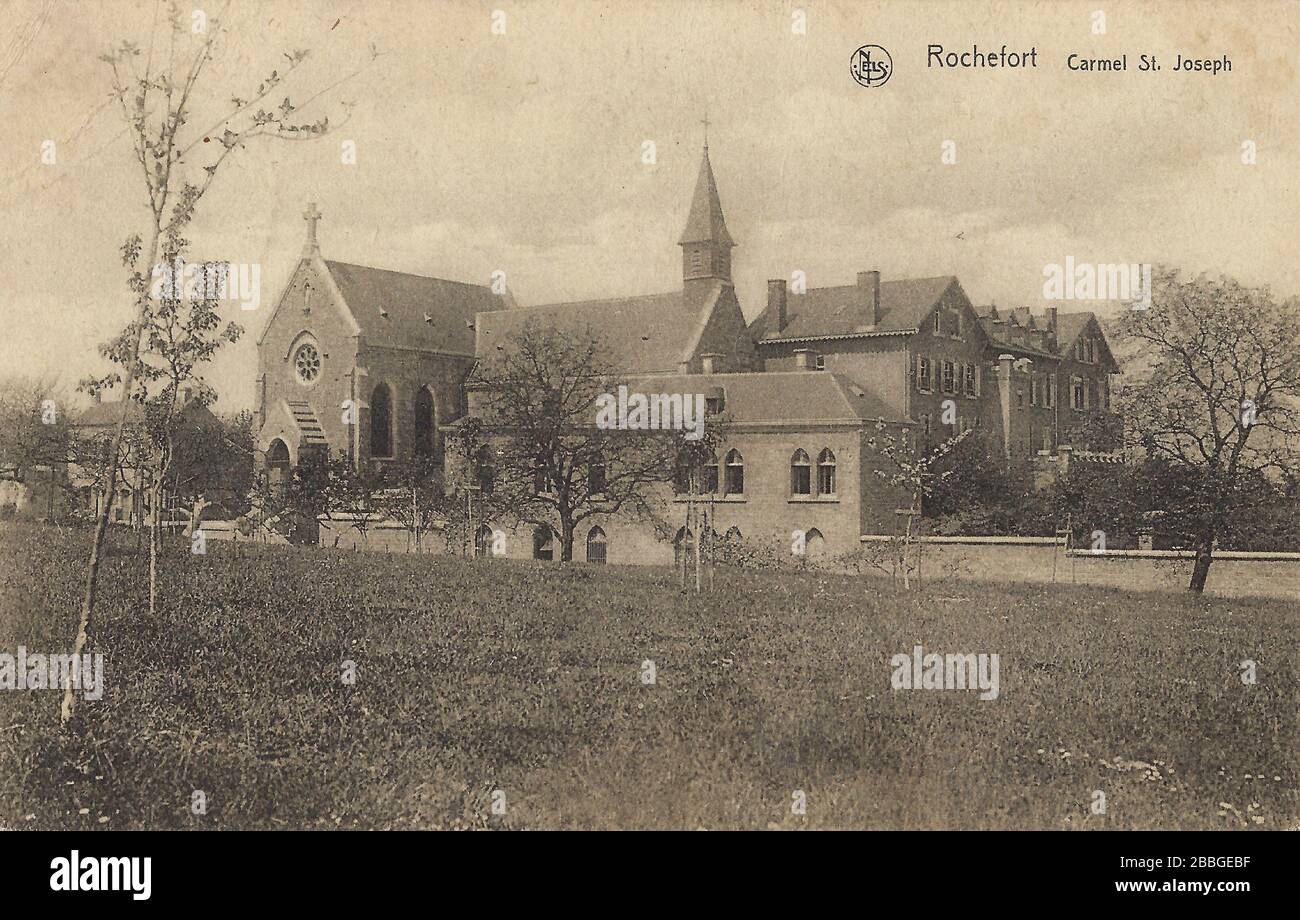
[(312, 215), (705, 121)]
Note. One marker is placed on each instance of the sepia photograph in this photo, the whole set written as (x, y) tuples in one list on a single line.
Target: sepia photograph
[(561, 415)]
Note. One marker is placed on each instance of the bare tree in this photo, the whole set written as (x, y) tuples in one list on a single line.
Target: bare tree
[(551, 465), (1214, 399), (155, 89)]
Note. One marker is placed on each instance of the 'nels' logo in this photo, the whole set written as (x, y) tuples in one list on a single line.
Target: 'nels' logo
[(871, 65)]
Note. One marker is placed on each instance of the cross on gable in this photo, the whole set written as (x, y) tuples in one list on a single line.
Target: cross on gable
[(312, 215)]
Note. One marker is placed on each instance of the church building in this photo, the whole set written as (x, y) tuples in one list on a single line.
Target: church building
[(374, 363), (363, 361)]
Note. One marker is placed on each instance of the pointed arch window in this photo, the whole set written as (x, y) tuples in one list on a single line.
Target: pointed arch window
[(735, 473), (381, 422), (800, 473), (814, 543), (826, 472)]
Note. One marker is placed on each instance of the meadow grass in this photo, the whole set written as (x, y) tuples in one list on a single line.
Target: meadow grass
[(481, 675)]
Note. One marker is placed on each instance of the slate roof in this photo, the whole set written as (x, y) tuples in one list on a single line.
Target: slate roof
[(840, 310), (407, 299), (705, 221), (812, 397), (644, 334)]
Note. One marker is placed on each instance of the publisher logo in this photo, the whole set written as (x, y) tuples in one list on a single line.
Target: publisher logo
[(871, 65)]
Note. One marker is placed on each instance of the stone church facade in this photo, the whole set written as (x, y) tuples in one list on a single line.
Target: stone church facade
[(376, 363), (363, 361)]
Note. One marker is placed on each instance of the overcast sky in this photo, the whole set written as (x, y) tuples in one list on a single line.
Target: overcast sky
[(523, 152)]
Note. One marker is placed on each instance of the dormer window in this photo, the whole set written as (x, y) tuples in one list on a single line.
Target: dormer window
[(821, 362), (938, 322)]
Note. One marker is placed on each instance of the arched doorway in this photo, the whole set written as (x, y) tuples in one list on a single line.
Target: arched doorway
[(544, 543), (483, 540), (278, 469), (596, 545)]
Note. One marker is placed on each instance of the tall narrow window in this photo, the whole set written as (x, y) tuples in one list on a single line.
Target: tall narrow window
[(709, 476), (381, 422), (923, 373), (826, 473), (596, 479), (800, 474), (949, 377), (1077, 398), (485, 470), (425, 424), (596, 545), (735, 465), (969, 375)]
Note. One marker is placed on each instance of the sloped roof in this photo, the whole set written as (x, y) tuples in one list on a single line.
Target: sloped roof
[(1069, 325), (407, 300), (705, 222), (643, 334), (841, 310), (812, 397), (107, 413)]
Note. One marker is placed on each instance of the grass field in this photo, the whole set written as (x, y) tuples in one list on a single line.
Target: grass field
[(527, 678)]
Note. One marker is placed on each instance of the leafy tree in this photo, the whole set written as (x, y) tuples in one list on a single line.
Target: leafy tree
[(915, 471), (1214, 401), (156, 95)]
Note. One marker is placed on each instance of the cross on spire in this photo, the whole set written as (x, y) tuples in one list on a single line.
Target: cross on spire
[(705, 121), (312, 215)]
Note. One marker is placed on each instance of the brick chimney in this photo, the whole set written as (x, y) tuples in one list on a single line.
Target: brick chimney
[(776, 302), (1005, 364), (870, 283), (1051, 319)]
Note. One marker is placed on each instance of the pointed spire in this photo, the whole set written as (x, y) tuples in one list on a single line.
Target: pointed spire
[(706, 223)]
